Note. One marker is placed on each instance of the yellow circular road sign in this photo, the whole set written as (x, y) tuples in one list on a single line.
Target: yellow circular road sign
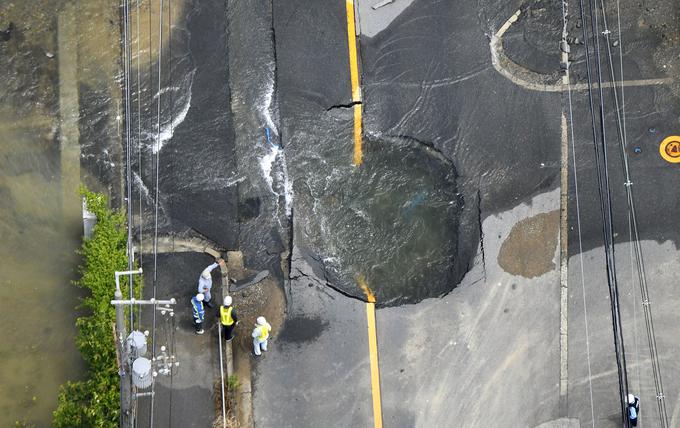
[(670, 149)]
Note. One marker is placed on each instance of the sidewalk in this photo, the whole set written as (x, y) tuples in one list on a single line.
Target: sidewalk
[(185, 399)]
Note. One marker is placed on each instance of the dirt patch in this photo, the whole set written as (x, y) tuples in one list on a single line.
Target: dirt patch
[(265, 298), (529, 248)]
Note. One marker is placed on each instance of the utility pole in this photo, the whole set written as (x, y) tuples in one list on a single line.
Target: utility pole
[(125, 369), (126, 419)]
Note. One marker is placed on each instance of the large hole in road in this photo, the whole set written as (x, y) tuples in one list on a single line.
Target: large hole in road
[(394, 221)]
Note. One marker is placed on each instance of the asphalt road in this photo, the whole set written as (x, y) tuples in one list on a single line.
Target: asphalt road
[(488, 352), (650, 115), (427, 78), (197, 163)]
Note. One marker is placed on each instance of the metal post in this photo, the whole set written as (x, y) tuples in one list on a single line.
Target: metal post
[(126, 419), (125, 378), (219, 343)]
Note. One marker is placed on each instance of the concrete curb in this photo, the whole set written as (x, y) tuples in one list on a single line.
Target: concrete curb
[(238, 362), (173, 244), (224, 270)]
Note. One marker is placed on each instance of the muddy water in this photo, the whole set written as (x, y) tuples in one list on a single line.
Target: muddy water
[(38, 352), (47, 65)]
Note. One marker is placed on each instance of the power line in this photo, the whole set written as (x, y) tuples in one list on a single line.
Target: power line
[(128, 145), (127, 410), (616, 311), (649, 323), (155, 238), (139, 134), (578, 223), (605, 200), (172, 105), (172, 351)]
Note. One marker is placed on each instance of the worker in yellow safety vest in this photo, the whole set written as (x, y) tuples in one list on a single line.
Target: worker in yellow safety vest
[(228, 319), (260, 336)]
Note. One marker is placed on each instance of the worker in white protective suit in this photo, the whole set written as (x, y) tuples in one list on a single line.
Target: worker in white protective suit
[(205, 282), (260, 336)]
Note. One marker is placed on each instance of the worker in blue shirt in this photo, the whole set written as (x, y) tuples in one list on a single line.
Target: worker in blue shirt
[(198, 312), (205, 282)]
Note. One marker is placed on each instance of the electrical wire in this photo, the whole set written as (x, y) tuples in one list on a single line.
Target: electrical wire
[(613, 283), (605, 199), (155, 238), (578, 223), (219, 345), (172, 370), (139, 140), (172, 104), (128, 146), (128, 199), (139, 152), (635, 239)]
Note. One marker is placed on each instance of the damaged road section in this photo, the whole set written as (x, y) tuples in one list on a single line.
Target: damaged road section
[(393, 221), (429, 78)]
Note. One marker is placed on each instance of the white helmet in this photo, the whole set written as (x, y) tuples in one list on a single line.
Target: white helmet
[(227, 301), (206, 274), (631, 399), (200, 297), (261, 321)]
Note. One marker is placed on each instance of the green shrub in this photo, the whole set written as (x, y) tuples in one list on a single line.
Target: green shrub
[(95, 402), (233, 383)]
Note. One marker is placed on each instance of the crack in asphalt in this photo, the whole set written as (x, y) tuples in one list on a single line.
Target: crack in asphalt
[(348, 105), (481, 231), (430, 145)]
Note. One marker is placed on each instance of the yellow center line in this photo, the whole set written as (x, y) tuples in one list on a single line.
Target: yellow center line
[(354, 78), (375, 372), (357, 135), (373, 352)]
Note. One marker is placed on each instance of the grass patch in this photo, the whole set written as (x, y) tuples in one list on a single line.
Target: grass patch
[(233, 383)]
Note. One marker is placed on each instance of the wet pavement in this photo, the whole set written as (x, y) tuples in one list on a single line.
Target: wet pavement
[(485, 354), (467, 357), (316, 369), (195, 146), (646, 36), (497, 157), (184, 399), (364, 220), (452, 220), (474, 352)]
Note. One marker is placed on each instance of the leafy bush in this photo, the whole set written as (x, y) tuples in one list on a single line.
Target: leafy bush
[(95, 402), (233, 383)]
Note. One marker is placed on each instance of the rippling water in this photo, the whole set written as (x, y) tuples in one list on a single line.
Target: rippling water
[(40, 218), (40, 234)]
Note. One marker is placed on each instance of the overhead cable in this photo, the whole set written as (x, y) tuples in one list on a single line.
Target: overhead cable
[(605, 200), (642, 278)]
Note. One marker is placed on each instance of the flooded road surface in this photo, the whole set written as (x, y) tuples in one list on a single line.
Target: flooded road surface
[(40, 234), (38, 352), (47, 63)]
